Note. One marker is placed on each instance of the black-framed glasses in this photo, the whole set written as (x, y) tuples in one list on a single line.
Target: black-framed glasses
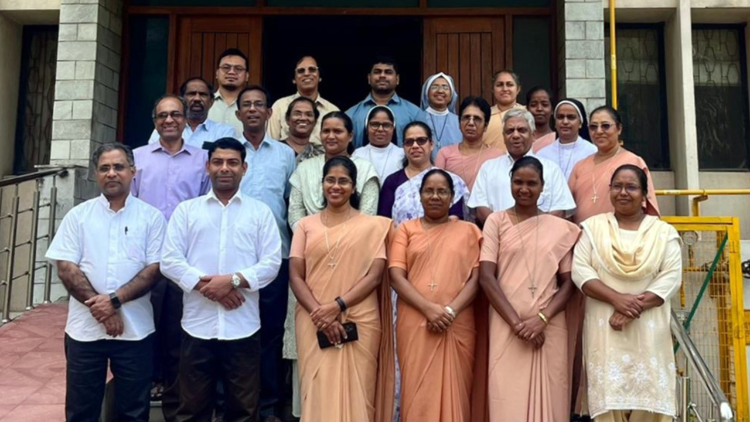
[(379, 125)]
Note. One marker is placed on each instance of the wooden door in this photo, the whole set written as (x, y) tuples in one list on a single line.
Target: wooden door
[(202, 39), (468, 49)]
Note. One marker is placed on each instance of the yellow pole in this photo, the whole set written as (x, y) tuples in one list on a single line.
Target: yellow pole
[(613, 52)]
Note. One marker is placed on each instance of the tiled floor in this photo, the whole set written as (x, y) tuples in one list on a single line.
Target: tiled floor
[(32, 366)]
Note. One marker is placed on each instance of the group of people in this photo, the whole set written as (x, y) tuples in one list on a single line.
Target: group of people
[(445, 262)]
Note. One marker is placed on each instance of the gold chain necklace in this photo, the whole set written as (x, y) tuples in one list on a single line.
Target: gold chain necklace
[(595, 196), (332, 251), (532, 288)]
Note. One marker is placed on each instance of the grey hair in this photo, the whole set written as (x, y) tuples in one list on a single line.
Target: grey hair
[(164, 97), (520, 112), (113, 146)]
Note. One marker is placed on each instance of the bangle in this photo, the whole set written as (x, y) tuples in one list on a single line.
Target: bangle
[(543, 318), (341, 303), (450, 311)]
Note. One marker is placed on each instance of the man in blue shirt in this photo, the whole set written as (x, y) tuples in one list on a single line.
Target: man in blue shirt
[(270, 164), (199, 96), (383, 79)]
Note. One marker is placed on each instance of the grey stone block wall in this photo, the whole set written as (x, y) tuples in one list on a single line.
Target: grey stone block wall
[(580, 35)]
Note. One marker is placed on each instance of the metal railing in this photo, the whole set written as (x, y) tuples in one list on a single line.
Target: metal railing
[(11, 249), (722, 408), (700, 195)]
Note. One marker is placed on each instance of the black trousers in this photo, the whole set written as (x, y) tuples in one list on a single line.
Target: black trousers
[(131, 364), (273, 304), (204, 362), (166, 299)]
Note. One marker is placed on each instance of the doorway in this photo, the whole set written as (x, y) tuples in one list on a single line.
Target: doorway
[(344, 47)]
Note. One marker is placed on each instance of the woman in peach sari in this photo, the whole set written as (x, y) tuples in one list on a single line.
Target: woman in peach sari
[(527, 280), (589, 181), (434, 264), (336, 262)]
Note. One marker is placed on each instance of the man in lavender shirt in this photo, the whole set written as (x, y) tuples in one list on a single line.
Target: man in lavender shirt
[(168, 172)]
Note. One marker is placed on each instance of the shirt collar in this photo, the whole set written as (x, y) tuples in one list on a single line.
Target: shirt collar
[(529, 153), (319, 101), (211, 196), (104, 202), (217, 96), (394, 100), (156, 146), (267, 140)]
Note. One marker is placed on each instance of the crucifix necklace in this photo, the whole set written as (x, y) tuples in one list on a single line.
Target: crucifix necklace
[(332, 251), (595, 196), (532, 287), (432, 284)]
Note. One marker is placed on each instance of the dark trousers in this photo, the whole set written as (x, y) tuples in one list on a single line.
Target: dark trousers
[(131, 365), (204, 362), (166, 299), (273, 304)]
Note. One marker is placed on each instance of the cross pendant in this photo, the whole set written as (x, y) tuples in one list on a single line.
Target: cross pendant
[(432, 285), (331, 265), (594, 197), (533, 290)]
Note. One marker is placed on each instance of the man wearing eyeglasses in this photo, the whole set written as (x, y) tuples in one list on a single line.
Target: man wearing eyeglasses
[(307, 79), (199, 96), (168, 172), (270, 164), (383, 79), (232, 74)]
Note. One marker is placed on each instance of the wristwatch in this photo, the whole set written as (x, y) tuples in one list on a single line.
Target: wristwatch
[(115, 300), (236, 280)]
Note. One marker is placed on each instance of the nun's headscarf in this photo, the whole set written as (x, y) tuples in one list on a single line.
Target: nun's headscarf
[(583, 132), (370, 115), (425, 102)]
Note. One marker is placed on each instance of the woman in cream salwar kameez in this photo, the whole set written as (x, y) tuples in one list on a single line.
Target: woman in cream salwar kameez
[(628, 264)]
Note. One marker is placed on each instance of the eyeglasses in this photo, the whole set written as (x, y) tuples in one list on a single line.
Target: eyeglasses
[(341, 182), (593, 127), (259, 105), (298, 114), (378, 125), (475, 119), (119, 168), (175, 115), (628, 188), (420, 141), (227, 68), (436, 88), (309, 69), (442, 193)]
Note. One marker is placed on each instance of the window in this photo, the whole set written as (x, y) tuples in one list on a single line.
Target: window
[(721, 104), (641, 91)]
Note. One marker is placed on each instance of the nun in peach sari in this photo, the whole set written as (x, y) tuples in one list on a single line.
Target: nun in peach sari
[(337, 263), (525, 272), (434, 268)]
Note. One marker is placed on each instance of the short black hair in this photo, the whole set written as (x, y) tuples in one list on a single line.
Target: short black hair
[(528, 161), (441, 172), (351, 168), (289, 109), (226, 143), (183, 87), (384, 60), (639, 173), (254, 88), (233, 52), (478, 102), (536, 89)]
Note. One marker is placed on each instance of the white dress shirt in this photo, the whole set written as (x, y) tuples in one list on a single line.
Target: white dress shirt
[(566, 156), (206, 237), (110, 248), (208, 131), (492, 187)]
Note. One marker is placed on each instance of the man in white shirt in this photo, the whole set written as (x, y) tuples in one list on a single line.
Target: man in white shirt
[(232, 73), (199, 97), (492, 188), (107, 253), (221, 249)]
